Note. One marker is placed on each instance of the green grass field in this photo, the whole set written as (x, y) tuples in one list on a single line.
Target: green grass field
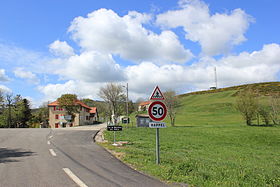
[(210, 146)]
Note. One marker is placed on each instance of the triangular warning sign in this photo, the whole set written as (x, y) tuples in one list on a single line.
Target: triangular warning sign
[(157, 95)]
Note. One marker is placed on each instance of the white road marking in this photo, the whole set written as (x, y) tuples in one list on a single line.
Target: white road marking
[(74, 177), (52, 152), (50, 137), (49, 143)]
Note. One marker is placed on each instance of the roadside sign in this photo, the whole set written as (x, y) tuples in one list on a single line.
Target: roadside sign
[(157, 125), (125, 120), (114, 128), (157, 95), (157, 111), (68, 117)]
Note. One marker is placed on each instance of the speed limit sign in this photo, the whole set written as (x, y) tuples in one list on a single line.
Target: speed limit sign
[(157, 111)]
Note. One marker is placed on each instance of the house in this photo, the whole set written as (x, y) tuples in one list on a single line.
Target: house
[(93, 114), (58, 116), (142, 120), (143, 106)]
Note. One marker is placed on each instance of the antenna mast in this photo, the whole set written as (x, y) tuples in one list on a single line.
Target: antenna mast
[(216, 82)]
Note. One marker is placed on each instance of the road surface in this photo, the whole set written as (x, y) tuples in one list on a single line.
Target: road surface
[(57, 157)]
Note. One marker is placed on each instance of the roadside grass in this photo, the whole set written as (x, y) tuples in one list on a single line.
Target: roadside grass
[(229, 155), (209, 146)]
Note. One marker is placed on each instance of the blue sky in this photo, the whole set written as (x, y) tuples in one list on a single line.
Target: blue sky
[(52, 47)]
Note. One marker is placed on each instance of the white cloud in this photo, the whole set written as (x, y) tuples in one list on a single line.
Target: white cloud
[(258, 66), (105, 31), (3, 76), (60, 48), (22, 73), (5, 89), (82, 89), (216, 33), (92, 66)]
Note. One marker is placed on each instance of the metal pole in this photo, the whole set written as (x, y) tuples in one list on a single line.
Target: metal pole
[(216, 81), (127, 100), (114, 138), (157, 147)]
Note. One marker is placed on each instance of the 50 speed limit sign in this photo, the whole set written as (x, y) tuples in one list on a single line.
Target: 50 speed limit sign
[(157, 111)]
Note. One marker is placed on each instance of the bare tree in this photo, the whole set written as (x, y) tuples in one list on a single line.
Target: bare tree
[(275, 109), (247, 104), (171, 102), (113, 94)]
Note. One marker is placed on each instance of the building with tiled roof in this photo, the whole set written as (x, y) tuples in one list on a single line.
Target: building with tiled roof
[(58, 116), (143, 106), (93, 114)]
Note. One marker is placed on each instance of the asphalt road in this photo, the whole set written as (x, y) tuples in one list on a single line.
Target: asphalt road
[(48, 157)]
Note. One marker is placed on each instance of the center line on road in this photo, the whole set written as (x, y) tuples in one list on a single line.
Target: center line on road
[(74, 177), (49, 143), (50, 137), (52, 152)]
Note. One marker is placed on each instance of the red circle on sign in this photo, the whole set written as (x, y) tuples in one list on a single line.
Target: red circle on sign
[(157, 111)]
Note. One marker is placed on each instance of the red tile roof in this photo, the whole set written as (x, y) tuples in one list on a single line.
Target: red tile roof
[(93, 110), (145, 103), (77, 102)]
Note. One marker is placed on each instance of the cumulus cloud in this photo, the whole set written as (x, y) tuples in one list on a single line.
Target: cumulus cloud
[(257, 66), (92, 66), (23, 74), (61, 48), (82, 89), (216, 33), (105, 31), (3, 76)]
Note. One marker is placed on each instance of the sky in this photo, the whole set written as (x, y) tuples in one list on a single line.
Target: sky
[(49, 48)]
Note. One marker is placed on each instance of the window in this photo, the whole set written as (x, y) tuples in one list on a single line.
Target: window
[(54, 108), (56, 116)]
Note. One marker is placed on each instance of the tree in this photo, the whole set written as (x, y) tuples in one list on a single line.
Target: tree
[(68, 102), (275, 109), (22, 112), (16, 111), (101, 106), (247, 104), (1, 97), (113, 95), (264, 112), (171, 102), (40, 116), (9, 100)]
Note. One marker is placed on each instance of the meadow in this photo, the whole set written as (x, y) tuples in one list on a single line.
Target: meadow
[(209, 146)]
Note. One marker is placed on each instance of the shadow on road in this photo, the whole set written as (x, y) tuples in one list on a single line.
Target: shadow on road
[(9, 155)]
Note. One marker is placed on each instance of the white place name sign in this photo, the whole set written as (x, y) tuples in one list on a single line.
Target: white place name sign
[(157, 125)]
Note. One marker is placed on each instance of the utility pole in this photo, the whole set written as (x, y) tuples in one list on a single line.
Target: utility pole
[(126, 87), (127, 101)]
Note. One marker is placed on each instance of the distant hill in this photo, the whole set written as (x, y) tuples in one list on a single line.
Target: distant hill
[(217, 107), (265, 88)]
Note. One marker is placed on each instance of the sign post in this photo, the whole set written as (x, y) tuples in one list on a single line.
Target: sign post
[(157, 112)]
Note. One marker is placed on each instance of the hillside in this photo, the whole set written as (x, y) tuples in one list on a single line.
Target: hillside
[(217, 107), (265, 88), (209, 146)]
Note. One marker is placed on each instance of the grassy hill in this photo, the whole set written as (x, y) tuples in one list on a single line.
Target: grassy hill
[(217, 107), (210, 145)]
